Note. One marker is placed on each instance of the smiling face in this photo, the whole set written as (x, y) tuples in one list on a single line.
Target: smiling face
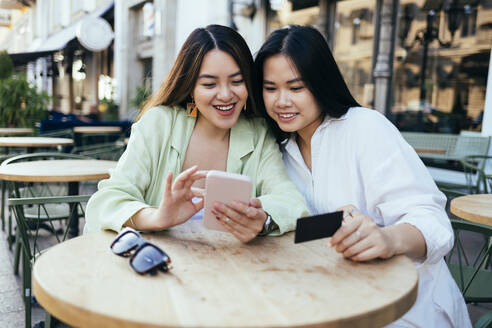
[(220, 92), (287, 100)]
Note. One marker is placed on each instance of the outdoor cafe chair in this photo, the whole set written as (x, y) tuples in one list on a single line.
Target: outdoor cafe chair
[(470, 270), (111, 151), (474, 168), (31, 241), (19, 189), (484, 321)]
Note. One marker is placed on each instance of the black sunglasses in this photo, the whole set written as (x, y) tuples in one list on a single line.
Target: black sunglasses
[(145, 257)]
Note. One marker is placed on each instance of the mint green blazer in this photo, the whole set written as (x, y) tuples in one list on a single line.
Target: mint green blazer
[(158, 145)]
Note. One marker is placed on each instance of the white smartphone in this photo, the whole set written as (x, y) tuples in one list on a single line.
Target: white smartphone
[(224, 187)]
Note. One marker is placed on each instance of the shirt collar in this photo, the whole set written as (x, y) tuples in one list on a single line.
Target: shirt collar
[(290, 144)]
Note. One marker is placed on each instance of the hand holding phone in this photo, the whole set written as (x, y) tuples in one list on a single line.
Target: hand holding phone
[(224, 187), (317, 226)]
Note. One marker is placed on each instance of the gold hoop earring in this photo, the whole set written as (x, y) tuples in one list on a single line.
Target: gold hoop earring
[(191, 109), (244, 108)]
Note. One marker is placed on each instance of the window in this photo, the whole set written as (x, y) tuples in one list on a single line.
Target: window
[(353, 47), (442, 90)]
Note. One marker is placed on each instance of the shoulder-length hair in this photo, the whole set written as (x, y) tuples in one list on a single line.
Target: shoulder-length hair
[(176, 90), (309, 52)]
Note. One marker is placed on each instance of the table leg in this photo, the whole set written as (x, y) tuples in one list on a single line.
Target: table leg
[(73, 190)]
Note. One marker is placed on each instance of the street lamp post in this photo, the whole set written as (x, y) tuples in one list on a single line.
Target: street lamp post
[(454, 11)]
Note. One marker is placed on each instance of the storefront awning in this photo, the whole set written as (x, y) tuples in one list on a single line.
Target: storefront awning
[(23, 58), (58, 40)]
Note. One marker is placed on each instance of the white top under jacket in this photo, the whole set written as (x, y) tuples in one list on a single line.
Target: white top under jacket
[(362, 159)]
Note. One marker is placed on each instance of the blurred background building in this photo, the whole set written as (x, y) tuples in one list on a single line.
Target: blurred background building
[(423, 63)]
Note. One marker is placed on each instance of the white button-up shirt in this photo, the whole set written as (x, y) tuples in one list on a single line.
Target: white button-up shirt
[(361, 159)]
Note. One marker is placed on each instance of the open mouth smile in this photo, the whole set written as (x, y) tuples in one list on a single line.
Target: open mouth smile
[(225, 110), (287, 117)]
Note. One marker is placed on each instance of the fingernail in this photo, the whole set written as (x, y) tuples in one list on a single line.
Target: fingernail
[(214, 212)]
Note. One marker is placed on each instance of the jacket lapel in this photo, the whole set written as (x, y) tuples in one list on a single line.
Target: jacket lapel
[(241, 143)]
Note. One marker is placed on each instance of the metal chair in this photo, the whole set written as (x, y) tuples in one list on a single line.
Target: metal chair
[(485, 321), (474, 168), (107, 151), (472, 277), (469, 270), (29, 235), (38, 189)]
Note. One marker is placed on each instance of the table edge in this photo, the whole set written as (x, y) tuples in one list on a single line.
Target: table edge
[(57, 178), (472, 217), (83, 317)]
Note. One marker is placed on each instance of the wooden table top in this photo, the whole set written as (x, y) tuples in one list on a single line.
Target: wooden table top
[(476, 208), (67, 170), (96, 129), (216, 281), (430, 150), (15, 131), (34, 142)]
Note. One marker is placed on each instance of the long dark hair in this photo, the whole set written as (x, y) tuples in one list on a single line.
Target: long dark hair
[(179, 84), (309, 51)]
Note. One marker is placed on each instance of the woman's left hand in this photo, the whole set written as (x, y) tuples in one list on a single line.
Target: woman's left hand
[(244, 221), (360, 239)]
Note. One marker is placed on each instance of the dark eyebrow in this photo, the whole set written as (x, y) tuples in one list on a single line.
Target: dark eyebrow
[(297, 79), (208, 76), (235, 74)]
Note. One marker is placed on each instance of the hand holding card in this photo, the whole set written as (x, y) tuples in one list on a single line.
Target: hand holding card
[(317, 226)]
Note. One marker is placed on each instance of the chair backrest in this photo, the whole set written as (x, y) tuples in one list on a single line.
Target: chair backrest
[(62, 133), (28, 227), (447, 146), (41, 156), (106, 151), (468, 266), (474, 169)]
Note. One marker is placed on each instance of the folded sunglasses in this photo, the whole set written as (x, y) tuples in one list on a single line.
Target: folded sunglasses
[(145, 257)]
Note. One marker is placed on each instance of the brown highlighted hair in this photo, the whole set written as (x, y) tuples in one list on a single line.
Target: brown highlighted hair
[(179, 84)]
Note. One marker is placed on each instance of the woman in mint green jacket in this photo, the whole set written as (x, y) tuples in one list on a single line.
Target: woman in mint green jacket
[(218, 130)]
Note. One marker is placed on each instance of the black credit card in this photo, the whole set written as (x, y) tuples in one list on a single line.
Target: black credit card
[(317, 226)]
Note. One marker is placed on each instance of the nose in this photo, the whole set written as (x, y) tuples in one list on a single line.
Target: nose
[(224, 93), (283, 99)]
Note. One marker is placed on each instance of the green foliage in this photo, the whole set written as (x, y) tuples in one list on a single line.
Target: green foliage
[(109, 109), (6, 65), (141, 95), (21, 105)]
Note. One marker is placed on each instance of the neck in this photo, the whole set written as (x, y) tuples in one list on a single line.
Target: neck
[(305, 134), (210, 131)]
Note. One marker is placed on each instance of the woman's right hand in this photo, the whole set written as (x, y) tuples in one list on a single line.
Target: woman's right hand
[(177, 204)]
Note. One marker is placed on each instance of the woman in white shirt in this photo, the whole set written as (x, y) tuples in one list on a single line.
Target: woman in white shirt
[(343, 156)]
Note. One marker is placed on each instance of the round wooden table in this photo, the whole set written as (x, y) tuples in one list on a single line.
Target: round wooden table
[(476, 208), (34, 142), (15, 131), (216, 281), (68, 170), (96, 129)]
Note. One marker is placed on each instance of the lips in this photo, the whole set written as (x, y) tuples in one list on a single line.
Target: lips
[(286, 117), (225, 110)]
